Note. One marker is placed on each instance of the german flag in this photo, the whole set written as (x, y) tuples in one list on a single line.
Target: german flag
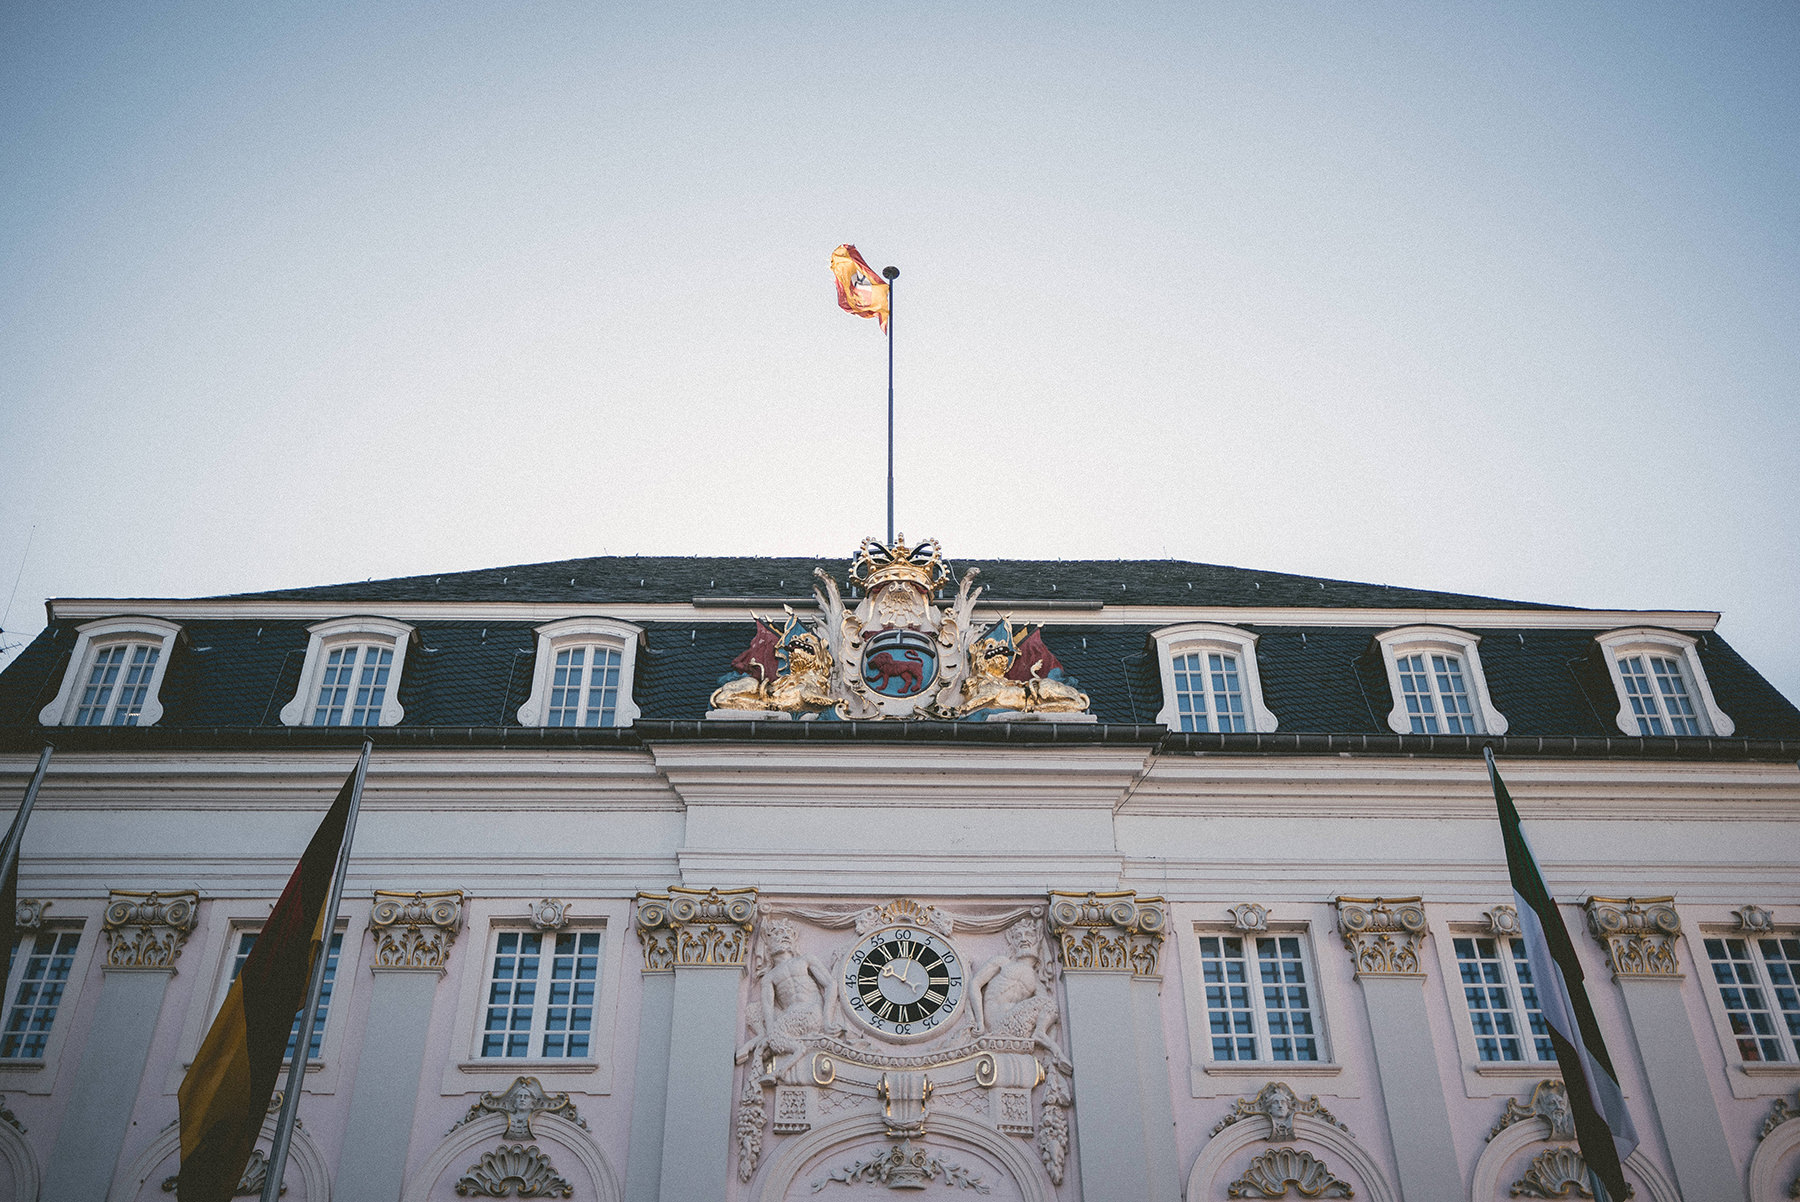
[(226, 1093)]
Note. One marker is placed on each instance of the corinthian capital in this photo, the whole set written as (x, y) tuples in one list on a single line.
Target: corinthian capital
[(695, 928), (147, 930), (1638, 934), (1383, 934), (415, 930), (1109, 932)]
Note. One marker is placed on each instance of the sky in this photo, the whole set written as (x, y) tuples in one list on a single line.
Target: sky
[(1497, 299)]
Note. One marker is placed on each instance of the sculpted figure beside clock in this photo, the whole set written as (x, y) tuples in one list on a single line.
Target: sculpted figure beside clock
[(1011, 994)]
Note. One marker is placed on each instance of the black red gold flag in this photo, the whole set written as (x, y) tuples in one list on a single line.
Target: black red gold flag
[(226, 1092)]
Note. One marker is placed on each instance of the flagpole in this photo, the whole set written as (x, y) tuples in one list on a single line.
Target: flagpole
[(290, 1100), (892, 274), (9, 857)]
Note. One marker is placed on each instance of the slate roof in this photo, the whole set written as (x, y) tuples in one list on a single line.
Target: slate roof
[(476, 672), (665, 579)]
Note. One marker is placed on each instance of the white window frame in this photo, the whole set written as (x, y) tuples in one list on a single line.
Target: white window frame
[(1409, 640), (325, 637), (1684, 649), (592, 1074), (1789, 1067), (1529, 1062), (39, 1076), (1217, 1078), (235, 938), (93, 637), (1203, 637), (553, 637)]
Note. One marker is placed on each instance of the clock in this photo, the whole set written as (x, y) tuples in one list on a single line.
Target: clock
[(903, 982)]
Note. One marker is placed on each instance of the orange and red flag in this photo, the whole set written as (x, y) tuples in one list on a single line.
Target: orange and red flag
[(227, 1090), (861, 290)]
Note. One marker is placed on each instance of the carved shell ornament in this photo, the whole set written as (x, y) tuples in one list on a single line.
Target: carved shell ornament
[(1270, 1175)]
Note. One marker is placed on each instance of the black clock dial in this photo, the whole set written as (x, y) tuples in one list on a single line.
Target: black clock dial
[(903, 982)]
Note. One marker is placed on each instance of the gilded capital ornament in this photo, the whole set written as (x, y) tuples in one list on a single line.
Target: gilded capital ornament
[(1109, 932), (415, 930), (1383, 934), (695, 928), (147, 930), (1638, 934)]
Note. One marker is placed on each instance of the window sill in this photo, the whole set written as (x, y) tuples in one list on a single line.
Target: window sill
[(1766, 1068), (503, 1064), (1264, 1068), (1516, 1068), (21, 1066)]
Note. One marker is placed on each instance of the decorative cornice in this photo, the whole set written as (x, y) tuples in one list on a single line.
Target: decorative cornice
[(521, 1102), (514, 1169), (1277, 1102), (29, 915), (1248, 916), (549, 914), (695, 928), (1549, 1101), (1638, 934), (1109, 932), (1270, 1175), (1383, 934), (415, 930), (147, 930)]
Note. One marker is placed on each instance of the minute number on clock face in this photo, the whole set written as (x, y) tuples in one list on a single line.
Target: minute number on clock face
[(903, 981)]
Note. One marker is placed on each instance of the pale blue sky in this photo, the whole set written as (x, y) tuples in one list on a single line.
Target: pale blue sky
[(1489, 298)]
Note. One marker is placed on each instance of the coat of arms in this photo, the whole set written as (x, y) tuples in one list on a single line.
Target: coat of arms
[(898, 653)]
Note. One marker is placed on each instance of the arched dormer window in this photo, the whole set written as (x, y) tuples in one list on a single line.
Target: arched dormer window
[(115, 674), (1661, 684), (1435, 676), (351, 674), (1209, 678), (583, 674)]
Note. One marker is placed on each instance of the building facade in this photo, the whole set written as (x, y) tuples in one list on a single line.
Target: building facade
[(771, 879)]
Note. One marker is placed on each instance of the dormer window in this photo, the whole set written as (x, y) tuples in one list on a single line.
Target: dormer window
[(1434, 673), (115, 674), (1210, 681), (351, 675), (1661, 685), (583, 674)]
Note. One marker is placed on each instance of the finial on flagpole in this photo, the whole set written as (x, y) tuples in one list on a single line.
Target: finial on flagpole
[(892, 273)]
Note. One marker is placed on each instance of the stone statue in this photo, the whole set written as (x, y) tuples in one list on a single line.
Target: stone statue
[(797, 999), (1010, 995)]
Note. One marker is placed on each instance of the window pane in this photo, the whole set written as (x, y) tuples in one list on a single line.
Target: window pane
[(574, 976), (1224, 971), (1491, 1016), (42, 982), (1287, 1005), (1746, 1003), (512, 994)]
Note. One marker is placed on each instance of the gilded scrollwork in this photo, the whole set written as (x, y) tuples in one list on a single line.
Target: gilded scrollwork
[(147, 930), (415, 930), (1109, 932), (1383, 934), (1638, 934), (695, 927)]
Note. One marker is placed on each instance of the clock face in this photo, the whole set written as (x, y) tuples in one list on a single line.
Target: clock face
[(903, 982)]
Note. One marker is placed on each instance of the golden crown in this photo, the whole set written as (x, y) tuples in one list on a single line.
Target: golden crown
[(876, 564)]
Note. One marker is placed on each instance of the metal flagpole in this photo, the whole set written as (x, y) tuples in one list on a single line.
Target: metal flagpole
[(290, 1100), (892, 274), (9, 856)]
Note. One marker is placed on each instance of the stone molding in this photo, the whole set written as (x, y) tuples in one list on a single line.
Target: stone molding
[(1249, 917), (1503, 922), (1109, 932), (549, 914), (29, 914), (695, 928), (1639, 936), (147, 930), (415, 930), (1383, 934)]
